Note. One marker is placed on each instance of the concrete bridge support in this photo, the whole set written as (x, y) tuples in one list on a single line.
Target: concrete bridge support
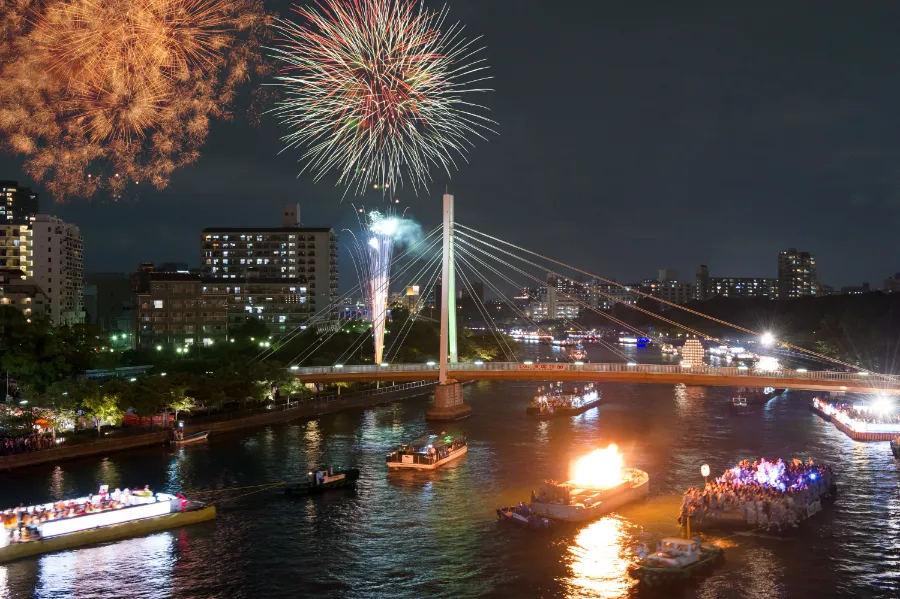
[(448, 395)]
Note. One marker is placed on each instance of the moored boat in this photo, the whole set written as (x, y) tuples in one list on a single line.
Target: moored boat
[(427, 452), (196, 437), (323, 479), (49, 527), (523, 516), (555, 402), (676, 561)]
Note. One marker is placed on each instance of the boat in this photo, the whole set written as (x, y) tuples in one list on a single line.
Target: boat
[(323, 479), (191, 438), (740, 406), (578, 352), (668, 349), (555, 402), (757, 395), (895, 447), (809, 492), (676, 561), (101, 518), (523, 516), (427, 452), (600, 485)]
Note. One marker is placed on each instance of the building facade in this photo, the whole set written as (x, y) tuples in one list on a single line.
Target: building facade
[(796, 274), (109, 301), (276, 263), (18, 292), (172, 311), (892, 284), (743, 287), (58, 267), (16, 252), (17, 204)]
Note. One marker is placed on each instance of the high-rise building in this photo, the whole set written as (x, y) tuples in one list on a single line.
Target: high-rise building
[(172, 311), (796, 274), (298, 264), (709, 287), (109, 301), (58, 267), (892, 284), (17, 204)]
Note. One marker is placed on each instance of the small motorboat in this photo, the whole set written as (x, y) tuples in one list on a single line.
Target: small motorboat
[(895, 447), (191, 438), (522, 516), (740, 406), (323, 479), (675, 562)]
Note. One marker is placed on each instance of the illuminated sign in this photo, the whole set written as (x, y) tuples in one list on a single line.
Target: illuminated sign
[(542, 366), (64, 526)]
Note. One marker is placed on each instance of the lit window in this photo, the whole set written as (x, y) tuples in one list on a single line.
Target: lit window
[(157, 304)]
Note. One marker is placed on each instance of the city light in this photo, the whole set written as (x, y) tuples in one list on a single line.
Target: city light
[(767, 339), (132, 379), (295, 367), (768, 363), (159, 348), (478, 362), (430, 363)]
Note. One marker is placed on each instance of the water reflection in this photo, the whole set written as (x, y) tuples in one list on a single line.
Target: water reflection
[(75, 573), (598, 558)]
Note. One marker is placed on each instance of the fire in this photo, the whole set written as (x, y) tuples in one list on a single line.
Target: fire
[(600, 469)]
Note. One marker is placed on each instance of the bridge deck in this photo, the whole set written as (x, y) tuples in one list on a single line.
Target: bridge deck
[(617, 373)]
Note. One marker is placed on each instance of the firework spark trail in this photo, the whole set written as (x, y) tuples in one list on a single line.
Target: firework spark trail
[(126, 87), (376, 91)]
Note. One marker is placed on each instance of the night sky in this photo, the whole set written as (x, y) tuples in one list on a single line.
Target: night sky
[(632, 137)]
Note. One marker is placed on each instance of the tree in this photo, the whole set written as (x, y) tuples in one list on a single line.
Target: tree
[(103, 406)]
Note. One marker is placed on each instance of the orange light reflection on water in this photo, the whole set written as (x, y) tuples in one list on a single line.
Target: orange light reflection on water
[(598, 559)]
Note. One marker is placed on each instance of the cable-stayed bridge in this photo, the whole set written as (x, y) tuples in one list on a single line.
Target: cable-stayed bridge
[(457, 253)]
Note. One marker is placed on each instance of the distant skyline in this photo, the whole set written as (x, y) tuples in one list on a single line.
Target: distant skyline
[(631, 138)]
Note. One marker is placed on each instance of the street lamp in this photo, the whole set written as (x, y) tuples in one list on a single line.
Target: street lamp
[(159, 348)]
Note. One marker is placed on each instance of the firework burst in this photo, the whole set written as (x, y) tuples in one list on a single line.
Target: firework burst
[(102, 93), (375, 90)]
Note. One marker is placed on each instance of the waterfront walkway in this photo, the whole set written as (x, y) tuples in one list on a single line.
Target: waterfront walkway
[(281, 413)]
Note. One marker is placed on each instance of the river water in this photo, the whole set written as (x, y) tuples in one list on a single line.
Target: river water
[(436, 534)]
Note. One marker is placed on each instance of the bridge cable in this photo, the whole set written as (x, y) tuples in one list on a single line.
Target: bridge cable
[(523, 315), (408, 325), (488, 319), (672, 304)]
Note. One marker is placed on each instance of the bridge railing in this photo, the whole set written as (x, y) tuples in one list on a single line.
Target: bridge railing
[(550, 367)]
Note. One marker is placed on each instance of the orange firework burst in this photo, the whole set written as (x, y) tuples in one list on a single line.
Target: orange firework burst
[(125, 87)]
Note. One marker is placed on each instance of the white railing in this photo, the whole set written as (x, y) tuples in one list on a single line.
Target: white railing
[(551, 367)]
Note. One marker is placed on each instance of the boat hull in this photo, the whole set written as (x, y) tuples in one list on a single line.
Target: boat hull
[(115, 532), (637, 489), (195, 438), (413, 466), (736, 522)]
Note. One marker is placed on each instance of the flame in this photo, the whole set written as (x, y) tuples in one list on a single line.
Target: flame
[(600, 469)]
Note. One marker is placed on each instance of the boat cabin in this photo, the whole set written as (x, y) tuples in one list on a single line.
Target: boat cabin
[(673, 552), (323, 475)]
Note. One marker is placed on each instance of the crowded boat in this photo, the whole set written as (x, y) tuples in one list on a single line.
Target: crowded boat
[(427, 452), (772, 495), (555, 401)]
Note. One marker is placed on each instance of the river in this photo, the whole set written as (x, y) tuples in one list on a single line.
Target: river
[(436, 535)]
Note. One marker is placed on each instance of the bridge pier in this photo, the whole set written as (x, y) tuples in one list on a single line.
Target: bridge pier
[(448, 402)]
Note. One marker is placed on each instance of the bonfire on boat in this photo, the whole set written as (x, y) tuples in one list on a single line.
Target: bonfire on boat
[(762, 494)]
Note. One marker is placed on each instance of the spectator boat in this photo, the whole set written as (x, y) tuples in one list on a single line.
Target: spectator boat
[(523, 517), (675, 562), (49, 527), (555, 402), (427, 452)]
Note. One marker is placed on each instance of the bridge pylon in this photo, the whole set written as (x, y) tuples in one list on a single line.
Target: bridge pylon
[(448, 395)]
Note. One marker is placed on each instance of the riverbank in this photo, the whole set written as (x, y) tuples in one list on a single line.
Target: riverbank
[(286, 413)]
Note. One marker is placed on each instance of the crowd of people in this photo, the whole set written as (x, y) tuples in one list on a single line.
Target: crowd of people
[(22, 524), (10, 445), (549, 399), (761, 493), (876, 413)]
